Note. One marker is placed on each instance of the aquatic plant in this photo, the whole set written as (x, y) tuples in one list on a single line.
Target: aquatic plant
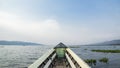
[(74, 46), (107, 51), (91, 61), (94, 61), (85, 49), (104, 60)]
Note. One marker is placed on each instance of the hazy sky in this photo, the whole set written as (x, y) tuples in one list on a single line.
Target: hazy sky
[(54, 21)]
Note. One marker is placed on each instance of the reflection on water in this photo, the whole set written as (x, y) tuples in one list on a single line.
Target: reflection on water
[(23, 56)]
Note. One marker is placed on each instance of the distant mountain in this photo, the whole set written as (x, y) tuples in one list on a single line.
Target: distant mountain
[(113, 42), (4, 42)]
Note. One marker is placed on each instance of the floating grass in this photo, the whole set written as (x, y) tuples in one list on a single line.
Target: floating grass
[(74, 46), (94, 61), (85, 49), (107, 51), (104, 60), (91, 61)]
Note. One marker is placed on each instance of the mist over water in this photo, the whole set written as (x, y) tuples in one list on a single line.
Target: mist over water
[(23, 56)]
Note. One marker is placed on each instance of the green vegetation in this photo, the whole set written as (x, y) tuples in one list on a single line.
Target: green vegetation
[(91, 61), (85, 49), (104, 60), (94, 61), (107, 51), (74, 46)]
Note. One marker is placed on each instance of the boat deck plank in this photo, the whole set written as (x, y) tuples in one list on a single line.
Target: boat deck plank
[(60, 64)]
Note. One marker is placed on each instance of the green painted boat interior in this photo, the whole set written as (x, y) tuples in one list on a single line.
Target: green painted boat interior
[(60, 52)]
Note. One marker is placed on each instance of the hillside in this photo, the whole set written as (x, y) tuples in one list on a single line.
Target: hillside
[(4, 42), (113, 42)]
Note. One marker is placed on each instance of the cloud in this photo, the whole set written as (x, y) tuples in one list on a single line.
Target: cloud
[(45, 28), (14, 23), (48, 31)]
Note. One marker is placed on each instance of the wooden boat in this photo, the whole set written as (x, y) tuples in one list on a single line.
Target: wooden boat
[(59, 57)]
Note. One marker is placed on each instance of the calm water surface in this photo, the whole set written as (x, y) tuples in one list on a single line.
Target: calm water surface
[(85, 53), (23, 56)]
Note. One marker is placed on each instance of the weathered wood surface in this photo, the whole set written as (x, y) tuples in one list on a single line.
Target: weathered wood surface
[(37, 63), (71, 60), (78, 59)]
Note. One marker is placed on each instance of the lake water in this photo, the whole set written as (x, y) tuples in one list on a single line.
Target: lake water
[(23, 56)]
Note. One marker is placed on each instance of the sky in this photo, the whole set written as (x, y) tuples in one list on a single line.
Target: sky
[(73, 22)]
